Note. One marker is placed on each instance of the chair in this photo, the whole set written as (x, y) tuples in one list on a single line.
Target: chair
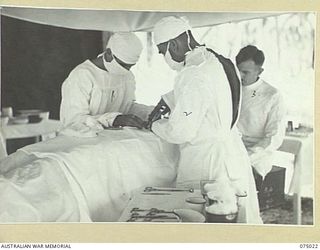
[(282, 179), (270, 190)]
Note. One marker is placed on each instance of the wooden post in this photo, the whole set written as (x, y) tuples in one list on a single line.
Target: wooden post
[(297, 208)]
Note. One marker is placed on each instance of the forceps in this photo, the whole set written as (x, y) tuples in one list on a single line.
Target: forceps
[(150, 189), (153, 214)]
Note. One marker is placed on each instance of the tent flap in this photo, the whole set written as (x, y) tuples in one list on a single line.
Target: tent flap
[(120, 20)]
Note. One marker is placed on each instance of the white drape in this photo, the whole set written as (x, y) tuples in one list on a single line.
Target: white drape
[(119, 20)]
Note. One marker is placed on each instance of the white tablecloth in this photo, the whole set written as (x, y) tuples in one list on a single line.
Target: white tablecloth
[(296, 154), (45, 127), (167, 201)]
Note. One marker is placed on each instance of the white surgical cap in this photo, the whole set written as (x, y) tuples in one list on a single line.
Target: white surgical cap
[(169, 28), (125, 46)]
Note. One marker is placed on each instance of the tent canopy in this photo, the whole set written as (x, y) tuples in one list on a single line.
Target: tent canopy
[(120, 20)]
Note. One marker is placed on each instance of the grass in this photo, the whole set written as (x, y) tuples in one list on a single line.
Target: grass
[(283, 214)]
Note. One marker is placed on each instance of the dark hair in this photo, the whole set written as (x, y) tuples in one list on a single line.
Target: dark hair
[(250, 52)]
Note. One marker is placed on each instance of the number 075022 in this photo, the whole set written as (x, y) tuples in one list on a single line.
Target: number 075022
[(309, 245)]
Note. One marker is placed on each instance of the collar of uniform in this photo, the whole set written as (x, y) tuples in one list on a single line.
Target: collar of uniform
[(254, 85), (196, 56)]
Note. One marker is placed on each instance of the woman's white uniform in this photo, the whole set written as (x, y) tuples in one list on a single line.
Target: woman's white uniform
[(200, 119)]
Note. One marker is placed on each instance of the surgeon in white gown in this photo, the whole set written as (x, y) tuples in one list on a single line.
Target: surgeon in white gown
[(101, 92), (201, 117), (262, 118)]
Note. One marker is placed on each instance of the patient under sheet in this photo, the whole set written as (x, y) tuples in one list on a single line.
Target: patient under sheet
[(83, 179)]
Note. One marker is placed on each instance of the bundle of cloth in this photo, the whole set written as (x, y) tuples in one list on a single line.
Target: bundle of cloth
[(222, 198)]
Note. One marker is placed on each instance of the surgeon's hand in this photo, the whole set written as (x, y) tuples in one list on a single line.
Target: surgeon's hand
[(162, 106), (128, 121), (161, 109)]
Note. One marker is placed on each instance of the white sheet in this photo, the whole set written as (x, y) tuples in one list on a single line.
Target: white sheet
[(119, 20), (93, 177), (35, 192)]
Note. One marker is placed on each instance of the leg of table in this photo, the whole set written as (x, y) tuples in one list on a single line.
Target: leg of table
[(38, 138), (297, 209), (3, 148)]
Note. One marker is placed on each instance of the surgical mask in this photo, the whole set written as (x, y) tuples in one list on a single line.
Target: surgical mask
[(172, 63), (178, 66), (114, 67)]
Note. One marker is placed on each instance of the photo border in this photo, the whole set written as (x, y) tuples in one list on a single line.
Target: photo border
[(125, 232)]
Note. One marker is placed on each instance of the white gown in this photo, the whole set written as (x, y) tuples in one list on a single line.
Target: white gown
[(90, 93), (262, 123), (200, 119)]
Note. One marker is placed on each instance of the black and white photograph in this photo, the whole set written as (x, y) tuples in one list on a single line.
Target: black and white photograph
[(157, 117)]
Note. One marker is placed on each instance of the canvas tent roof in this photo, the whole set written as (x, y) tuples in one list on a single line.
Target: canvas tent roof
[(120, 20)]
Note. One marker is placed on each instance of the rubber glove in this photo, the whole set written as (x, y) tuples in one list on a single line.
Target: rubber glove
[(161, 109), (128, 121)]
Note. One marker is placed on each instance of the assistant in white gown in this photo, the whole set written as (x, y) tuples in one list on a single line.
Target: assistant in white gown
[(262, 118), (262, 123)]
